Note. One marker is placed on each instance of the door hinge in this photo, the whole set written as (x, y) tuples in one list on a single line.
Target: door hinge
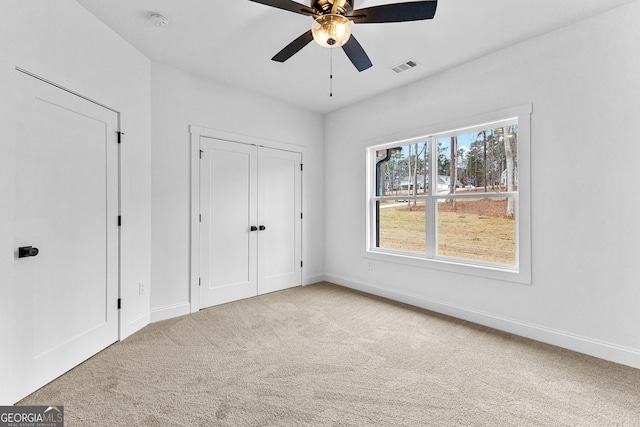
[(120, 137), (199, 281), (201, 153), (300, 263), (200, 217), (119, 303), (119, 221), (301, 166), (300, 215)]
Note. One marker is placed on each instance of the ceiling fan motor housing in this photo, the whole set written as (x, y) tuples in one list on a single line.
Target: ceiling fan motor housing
[(325, 6)]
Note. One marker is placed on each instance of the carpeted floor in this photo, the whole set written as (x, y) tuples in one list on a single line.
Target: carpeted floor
[(325, 355)]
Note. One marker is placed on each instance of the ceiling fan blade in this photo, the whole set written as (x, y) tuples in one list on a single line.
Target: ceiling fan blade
[(293, 47), (397, 12), (356, 54), (289, 5)]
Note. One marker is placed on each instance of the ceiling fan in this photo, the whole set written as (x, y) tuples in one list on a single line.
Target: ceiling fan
[(332, 23)]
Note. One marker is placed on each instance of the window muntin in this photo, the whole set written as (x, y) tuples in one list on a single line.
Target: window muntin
[(469, 216)]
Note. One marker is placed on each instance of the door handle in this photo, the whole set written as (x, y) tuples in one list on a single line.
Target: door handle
[(27, 251), (254, 228), (262, 227)]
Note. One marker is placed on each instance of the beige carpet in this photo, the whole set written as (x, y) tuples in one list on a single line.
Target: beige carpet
[(325, 355)]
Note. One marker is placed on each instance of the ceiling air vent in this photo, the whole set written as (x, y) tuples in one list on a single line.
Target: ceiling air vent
[(404, 66)]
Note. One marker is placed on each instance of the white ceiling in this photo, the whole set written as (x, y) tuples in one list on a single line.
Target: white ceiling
[(233, 41)]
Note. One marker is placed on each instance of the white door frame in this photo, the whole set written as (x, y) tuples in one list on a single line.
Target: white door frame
[(194, 254)]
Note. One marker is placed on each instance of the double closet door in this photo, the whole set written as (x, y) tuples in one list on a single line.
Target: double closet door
[(251, 220)]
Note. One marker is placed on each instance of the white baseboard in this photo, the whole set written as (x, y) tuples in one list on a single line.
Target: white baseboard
[(170, 311), (135, 325), (313, 278), (592, 347)]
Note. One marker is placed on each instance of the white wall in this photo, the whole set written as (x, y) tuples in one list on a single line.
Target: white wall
[(583, 84), (62, 42), (180, 99)]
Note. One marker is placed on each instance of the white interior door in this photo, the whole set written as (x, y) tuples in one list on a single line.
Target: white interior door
[(67, 207), (280, 213), (250, 224), (228, 201)]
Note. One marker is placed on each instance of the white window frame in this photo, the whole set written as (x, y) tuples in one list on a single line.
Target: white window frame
[(521, 271)]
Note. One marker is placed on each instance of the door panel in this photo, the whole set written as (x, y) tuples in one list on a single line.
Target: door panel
[(244, 186), (279, 210), (228, 195), (67, 204)]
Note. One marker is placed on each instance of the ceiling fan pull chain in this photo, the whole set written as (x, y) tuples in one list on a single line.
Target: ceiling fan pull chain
[(331, 73)]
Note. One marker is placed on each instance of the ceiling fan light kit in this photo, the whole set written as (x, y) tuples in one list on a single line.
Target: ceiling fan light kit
[(332, 23), (331, 30)]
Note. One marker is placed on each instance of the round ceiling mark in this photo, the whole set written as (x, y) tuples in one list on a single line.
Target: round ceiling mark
[(159, 20)]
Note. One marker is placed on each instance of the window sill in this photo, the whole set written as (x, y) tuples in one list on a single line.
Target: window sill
[(497, 272)]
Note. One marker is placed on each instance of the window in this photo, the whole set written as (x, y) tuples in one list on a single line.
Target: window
[(456, 199)]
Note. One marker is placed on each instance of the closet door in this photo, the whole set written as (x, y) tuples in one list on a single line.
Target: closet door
[(228, 205), (250, 225), (280, 214)]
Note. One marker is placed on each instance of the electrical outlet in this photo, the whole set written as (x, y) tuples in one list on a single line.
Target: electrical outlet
[(141, 288)]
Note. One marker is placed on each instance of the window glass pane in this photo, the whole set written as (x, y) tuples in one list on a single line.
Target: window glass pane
[(402, 225), (402, 171), (485, 161), (478, 229), (474, 221)]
